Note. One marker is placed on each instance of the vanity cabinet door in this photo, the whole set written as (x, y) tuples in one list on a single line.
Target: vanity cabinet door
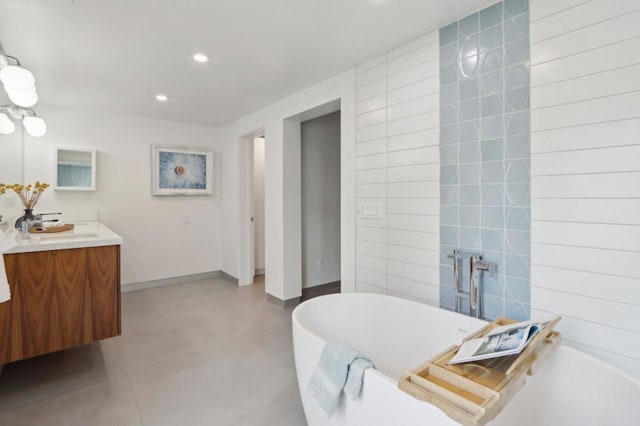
[(103, 292), (59, 299)]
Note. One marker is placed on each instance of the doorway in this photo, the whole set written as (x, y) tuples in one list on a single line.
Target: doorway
[(251, 204), (257, 215), (320, 205), (283, 207)]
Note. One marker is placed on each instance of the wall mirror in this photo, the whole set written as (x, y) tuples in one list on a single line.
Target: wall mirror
[(75, 170)]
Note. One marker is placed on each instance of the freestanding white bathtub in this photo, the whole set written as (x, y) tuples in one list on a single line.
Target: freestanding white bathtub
[(572, 388)]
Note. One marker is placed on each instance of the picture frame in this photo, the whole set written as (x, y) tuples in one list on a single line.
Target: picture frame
[(178, 170)]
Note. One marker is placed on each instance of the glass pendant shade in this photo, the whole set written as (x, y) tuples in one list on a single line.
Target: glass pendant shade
[(35, 126), (16, 78), (24, 98), (6, 125)]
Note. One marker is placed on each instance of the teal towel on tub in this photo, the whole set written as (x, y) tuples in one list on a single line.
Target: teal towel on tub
[(340, 368)]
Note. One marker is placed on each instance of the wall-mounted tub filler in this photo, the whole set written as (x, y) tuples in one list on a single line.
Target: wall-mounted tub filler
[(476, 267)]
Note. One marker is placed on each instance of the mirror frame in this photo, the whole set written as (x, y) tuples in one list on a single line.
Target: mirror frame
[(75, 188)]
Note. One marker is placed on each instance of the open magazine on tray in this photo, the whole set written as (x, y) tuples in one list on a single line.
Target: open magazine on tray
[(505, 340)]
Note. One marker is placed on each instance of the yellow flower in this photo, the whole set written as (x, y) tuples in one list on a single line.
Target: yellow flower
[(29, 195)]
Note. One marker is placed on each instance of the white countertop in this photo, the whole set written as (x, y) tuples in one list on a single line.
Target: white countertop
[(84, 234)]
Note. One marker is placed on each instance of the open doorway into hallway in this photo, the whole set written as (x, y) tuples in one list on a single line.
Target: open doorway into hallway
[(320, 205), (251, 199), (300, 255), (257, 217)]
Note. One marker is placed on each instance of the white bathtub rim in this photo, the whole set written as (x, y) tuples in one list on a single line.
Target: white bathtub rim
[(322, 341), (565, 345), (612, 368), (295, 315)]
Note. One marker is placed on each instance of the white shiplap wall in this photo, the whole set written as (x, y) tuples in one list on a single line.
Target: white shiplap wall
[(585, 166), (398, 168)]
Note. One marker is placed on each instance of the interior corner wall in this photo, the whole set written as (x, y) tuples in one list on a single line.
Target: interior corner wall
[(292, 212), (585, 168), (157, 241), (397, 172), (320, 160)]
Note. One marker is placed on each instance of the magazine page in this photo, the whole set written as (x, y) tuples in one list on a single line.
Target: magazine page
[(506, 343), (501, 341), (503, 328)]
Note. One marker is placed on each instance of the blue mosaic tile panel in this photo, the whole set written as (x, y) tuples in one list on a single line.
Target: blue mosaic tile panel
[(485, 182)]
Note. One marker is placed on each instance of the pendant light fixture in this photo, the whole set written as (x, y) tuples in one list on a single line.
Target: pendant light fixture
[(34, 125), (20, 85), (6, 125), (19, 82)]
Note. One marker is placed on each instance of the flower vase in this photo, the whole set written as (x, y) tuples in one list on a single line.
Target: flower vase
[(28, 215)]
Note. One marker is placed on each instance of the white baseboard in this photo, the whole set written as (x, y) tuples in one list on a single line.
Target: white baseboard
[(283, 303), (229, 278), (145, 285)]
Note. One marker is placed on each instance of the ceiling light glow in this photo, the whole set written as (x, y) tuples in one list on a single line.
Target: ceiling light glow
[(35, 126), (15, 77), (162, 98), (200, 57), (6, 125), (20, 85), (24, 98)]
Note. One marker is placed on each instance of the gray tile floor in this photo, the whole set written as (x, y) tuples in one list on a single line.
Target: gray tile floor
[(202, 353)]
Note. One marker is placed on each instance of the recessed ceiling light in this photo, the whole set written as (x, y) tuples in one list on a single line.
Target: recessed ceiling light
[(162, 98), (200, 57)]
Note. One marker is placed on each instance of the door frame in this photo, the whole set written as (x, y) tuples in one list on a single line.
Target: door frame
[(246, 271)]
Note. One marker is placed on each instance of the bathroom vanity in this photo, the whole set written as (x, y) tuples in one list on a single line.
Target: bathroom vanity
[(65, 291)]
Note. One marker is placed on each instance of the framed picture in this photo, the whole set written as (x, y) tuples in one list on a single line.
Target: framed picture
[(181, 171)]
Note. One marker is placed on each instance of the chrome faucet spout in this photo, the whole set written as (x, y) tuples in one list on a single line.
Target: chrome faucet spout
[(26, 229), (476, 267), (483, 265)]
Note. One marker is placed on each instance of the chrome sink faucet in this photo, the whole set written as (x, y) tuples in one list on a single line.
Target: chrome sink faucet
[(26, 229)]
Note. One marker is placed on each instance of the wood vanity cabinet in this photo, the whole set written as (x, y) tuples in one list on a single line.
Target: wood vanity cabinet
[(59, 299)]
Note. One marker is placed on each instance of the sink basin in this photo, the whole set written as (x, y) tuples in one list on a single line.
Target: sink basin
[(62, 235)]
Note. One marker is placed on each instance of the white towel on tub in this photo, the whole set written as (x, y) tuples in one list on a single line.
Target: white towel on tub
[(340, 368), (5, 292)]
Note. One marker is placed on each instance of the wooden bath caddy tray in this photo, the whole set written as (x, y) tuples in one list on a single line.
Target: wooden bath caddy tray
[(474, 393), (51, 229)]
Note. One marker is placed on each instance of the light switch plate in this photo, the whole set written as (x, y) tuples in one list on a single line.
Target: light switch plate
[(371, 211)]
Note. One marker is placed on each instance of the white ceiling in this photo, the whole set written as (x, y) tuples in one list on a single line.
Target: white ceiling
[(116, 55)]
